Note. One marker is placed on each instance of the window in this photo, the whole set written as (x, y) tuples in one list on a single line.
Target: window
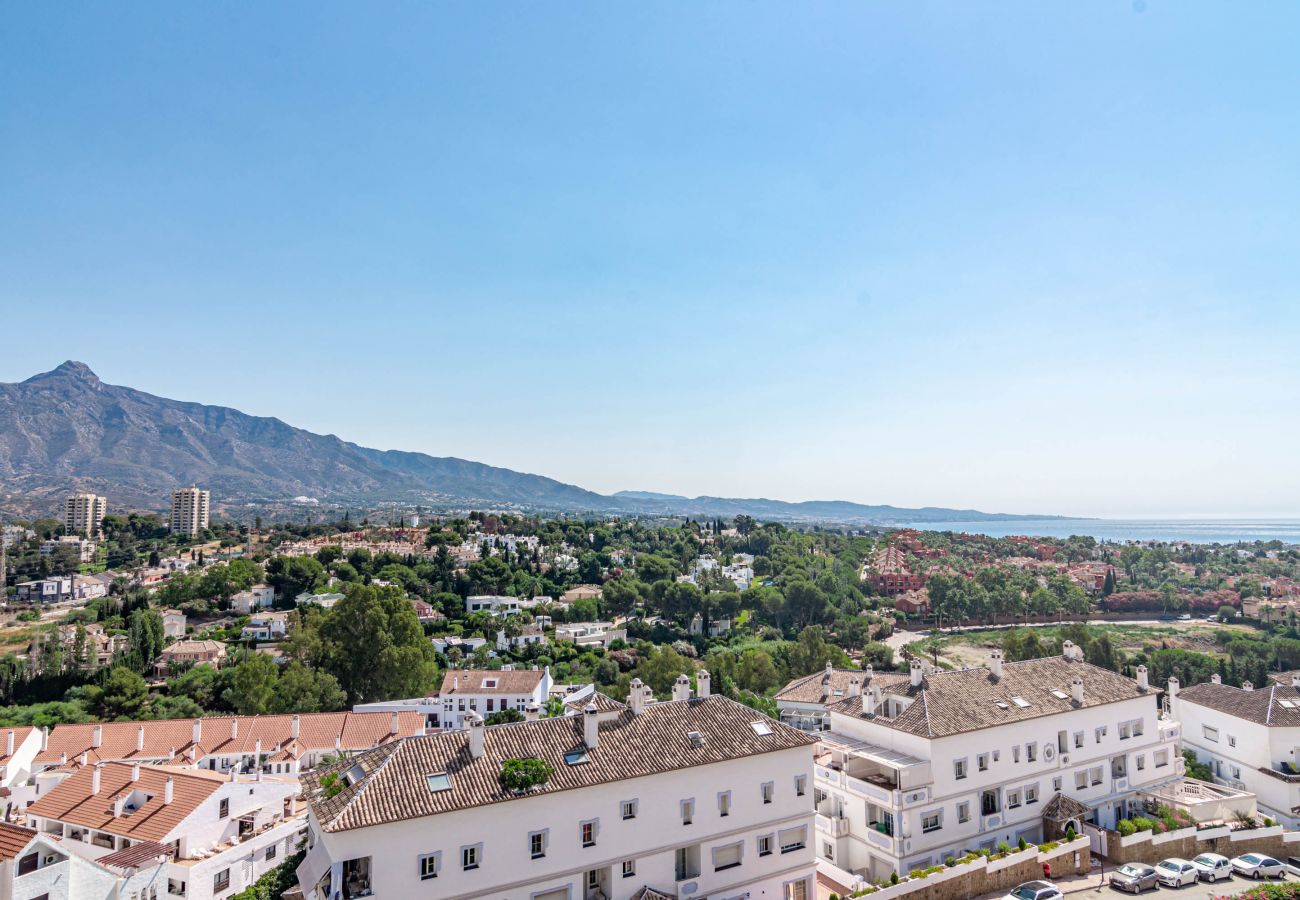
[(628, 809), (271, 850), (1031, 752), (1031, 794), (221, 881), (982, 761), (1081, 779), (1140, 761), (471, 856), (1124, 731), (762, 729), (430, 863), (765, 845), (1211, 734), (1015, 753), (796, 890), (1013, 799), (223, 808), (959, 768), (1161, 758), (963, 812), (727, 857), (800, 785), (724, 803), (765, 790), (1096, 775), (1100, 733), (438, 781), (1232, 741), (1078, 740), (1137, 727), (931, 822), (688, 812), (1056, 784), (537, 841), (593, 879), (629, 868), (792, 839), (587, 831)]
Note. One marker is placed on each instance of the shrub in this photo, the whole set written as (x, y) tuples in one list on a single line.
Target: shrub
[(1020, 844), (1048, 847), (1004, 848), (520, 775), (835, 896), (330, 784), (1070, 834), (1125, 827), (1268, 823), (950, 861), (1142, 823), (893, 878)]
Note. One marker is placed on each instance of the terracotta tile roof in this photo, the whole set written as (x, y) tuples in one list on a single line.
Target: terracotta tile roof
[(20, 735), (603, 703), (470, 681), (822, 687), (967, 700), (13, 839), (316, 731), (392, 785), (1263, 705), (72, 802), (137, 855)]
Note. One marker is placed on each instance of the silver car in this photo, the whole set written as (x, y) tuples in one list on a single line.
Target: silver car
[(1134, 877), (1213, 867), (1176, 872), (1035, 890), (1257, 865)]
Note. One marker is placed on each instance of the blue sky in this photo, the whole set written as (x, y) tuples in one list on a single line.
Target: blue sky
[(1019, 256)]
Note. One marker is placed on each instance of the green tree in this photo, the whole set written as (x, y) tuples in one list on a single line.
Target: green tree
[(293, 575), (374, 645), (122, 694), (250, 685)]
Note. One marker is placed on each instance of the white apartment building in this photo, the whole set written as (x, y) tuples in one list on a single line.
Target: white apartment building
[(266, 626), (494, 604), (528, 635), (466, 645), (83, 549), (35, 866), (590, 634), (917, 769), (259, 596), (18, 749), (174, 622), (84, 514), (189, 510), (695, 797), (216, 834), (1249, 736), (485, 691)]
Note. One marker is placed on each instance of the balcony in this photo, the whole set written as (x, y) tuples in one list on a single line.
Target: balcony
[(886, 777), (834, 826)]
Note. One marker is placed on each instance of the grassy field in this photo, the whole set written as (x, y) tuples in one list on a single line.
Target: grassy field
[(971, 648)]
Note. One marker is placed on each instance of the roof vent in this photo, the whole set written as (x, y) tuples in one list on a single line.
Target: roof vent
[(696, 739)]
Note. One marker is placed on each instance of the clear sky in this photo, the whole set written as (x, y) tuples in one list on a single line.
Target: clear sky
[(1020, 256)]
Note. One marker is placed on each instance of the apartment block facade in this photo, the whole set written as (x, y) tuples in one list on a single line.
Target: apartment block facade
[(83, 514), (189, 510)]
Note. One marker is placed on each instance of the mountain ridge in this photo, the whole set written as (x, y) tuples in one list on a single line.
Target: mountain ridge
[(67, 429)]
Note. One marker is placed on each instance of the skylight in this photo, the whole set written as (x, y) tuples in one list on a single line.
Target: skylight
[(1059, 695), (439, 781), (577, 757), (1020, 702), (762, 728), (1289, 704), (1002, 704), (354, 774), (696, 739)]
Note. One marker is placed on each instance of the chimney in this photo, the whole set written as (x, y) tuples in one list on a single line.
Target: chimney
[(1247, 686), (474, 724), (1076, 690), (918, 672), (1216, 678), (1143, 684), (1173, 686), (97, 736), (257, 752), (197, 736), (94, 780), (9, 744), (455, 682), (1295, 679), (636, 697), (234, 728), (392, 724), (867, 674), (139, 739), (45, 738), (338, 744), (869, 704), (591, 726), (294, 725), (135, 771), (702, 683), (855, 687), (1067, 650), (85, 758), (995, 664), (830, 670), (682, 688), (532, 712), (63, 758), (167, 791)]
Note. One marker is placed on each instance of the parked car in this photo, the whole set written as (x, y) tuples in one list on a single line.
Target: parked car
[(1213, 867), (1135, 877), (1035, 890), (1257, 865), (1176, 872)]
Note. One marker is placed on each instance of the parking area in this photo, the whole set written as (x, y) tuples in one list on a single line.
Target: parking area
[(1094, 884)]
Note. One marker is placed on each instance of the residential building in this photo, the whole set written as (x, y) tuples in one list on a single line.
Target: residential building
[(259, 596), (528, 635), (466, 645), (44, 867), (425, 612), (581, 592), (913, 771), (692, 797), (266, 626), (805, 702), (173, 624), (84, 514), (494, 604), (62, 590), (189, 510), (216, 834), (716, 627), (485, 691), (913, 603), (1250, 738), (18, 749), (589, 634), (184, 654), (90, 644), (889, 574), (325, 601), (83, 550)]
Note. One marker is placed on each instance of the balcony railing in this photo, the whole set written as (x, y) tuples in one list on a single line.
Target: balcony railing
[(835, 826)]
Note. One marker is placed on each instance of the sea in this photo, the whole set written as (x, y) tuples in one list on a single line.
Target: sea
[(1198, 531)]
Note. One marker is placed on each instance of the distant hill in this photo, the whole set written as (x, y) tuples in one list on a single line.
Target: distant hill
[(66, 429)]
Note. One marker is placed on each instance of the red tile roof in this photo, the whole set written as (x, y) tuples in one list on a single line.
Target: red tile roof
[(13, 839)]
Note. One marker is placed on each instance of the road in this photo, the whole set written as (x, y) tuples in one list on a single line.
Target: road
[(1085, 888)]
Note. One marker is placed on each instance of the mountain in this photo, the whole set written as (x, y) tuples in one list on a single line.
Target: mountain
[(66, 429)]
